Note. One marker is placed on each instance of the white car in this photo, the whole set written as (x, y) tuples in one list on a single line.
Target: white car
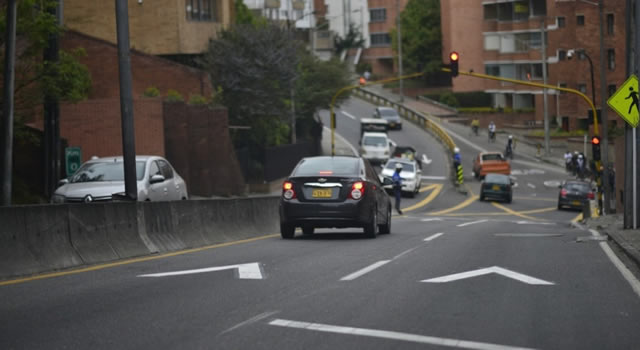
[(99, 179), (411, 175), (376, 147)]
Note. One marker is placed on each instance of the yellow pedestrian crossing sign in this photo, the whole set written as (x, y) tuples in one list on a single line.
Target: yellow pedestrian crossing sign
[(625, 101)]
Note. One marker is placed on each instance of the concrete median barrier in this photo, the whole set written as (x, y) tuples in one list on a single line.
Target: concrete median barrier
[(36, 239)]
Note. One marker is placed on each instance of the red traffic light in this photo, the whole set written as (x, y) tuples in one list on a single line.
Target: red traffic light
[(595, 140), (454, 56)]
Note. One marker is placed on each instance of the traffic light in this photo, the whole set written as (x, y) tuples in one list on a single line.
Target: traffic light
[(595, 144), (453, 63)]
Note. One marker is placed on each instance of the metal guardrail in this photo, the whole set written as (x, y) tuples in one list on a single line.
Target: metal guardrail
[(425, 122)]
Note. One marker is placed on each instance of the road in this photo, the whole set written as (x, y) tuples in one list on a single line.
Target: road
[(454, 273)]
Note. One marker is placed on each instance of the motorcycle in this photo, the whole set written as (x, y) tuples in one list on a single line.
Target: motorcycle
[(474, 128), (508, 153), (492, 136)]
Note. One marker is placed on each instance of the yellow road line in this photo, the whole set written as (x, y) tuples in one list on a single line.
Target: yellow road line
[(429, 186), (464, 204), (513, 212), (469, 189), (577, 218), (131, 261), (436, 190)]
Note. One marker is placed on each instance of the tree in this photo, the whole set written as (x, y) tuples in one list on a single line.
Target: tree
[(421, 36), (66, 80), (352, 39), (245, 16)]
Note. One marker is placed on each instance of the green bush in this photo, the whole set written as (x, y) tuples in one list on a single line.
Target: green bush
[(173, 96), (363, 67), (449, 99), (559, 132), (466, 99), (197, 100), (151, 91)]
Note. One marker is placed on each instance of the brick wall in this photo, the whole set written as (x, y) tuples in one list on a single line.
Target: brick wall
[(95, 125), (146, 70)]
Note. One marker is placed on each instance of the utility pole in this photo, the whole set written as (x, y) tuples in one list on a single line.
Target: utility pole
[(51, 108), (543, 54), (7, 106), (399, 50), (603, 116), (126, 101), (631, 212)]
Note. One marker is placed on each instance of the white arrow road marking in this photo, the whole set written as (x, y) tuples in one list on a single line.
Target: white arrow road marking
[(472, 223), (251, 271), (531, 185), (426, 160), (408, 337), (349, 115), (489, 270), (365, 270), (431, 238), (432, 177)]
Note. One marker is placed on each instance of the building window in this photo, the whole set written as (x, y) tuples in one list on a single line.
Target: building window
[(580, 20), (521, 10), (380, 39), (611, 59), (201, 10), (562, 85), (490, 11), (539, 7), (582, 88), (611, 89), (561, 22), (610, 23), (378, 15), (562, 55), (492, 69), (505, 11)]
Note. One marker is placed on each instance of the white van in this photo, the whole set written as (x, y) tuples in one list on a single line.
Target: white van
[(376, 147)]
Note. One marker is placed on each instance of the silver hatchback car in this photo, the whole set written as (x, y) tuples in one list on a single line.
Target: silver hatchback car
[(99, 179)]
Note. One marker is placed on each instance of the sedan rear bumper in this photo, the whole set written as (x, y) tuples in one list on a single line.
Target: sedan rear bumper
[(350, 213)]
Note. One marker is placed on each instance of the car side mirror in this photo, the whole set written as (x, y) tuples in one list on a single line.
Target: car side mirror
[(63, 182), (157, 178), (387, 181)]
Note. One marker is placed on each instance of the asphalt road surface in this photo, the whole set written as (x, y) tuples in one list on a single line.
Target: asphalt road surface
[(454, 273)]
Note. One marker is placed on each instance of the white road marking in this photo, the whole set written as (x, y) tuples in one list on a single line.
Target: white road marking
[(251, 271), (528, 234), (349, 115), (408, 337), (472, 223), (489, 270), (531, 185), (432, 219), (404, 253), (524, 222), (254, 319), (431, 177), (365, 270), (552, 183), (431, 238), (631, 279)]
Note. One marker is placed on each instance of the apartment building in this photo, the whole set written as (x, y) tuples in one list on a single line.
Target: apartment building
[(504, 38), (158, 27)]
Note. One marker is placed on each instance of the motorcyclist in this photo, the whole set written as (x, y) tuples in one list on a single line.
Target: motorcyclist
[(510, 146), (475, 124), (492, 131), (397, 186)]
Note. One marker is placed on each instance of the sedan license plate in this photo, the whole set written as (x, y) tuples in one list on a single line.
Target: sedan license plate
[(321, 193), (496, 187), (575, 203)]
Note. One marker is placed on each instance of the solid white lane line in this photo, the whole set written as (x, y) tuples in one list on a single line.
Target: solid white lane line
[(245, 271), (349, 115), (528, 234), (631, 279), (472, 223), (431, 238), (375, 333), (432, 219), (404, 253), (531, 185), (254, 319), (365, 270)]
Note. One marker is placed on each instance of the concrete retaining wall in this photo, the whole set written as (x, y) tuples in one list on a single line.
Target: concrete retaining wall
[(35, 239)]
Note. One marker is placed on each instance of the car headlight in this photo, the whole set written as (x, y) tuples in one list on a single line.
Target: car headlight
[(57, 199)]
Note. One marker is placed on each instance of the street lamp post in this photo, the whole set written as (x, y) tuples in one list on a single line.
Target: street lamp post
[(399, 50), (593, 85)]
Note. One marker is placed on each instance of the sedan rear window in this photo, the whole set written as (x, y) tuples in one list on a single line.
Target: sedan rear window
[(327, 166), (405, 166), (577, 186), (105, 171), (388, 113), (492, 156), (497, 179)]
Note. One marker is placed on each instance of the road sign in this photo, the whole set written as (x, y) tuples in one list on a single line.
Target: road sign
[(489, 270), (625, 101), (250, 271), (73, 159)]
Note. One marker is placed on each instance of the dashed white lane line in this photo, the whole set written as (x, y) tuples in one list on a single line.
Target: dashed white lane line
[(365, 270), (408, 337), (631, 279), (531, 185), (349, 115), (431, 219), (472, 223), (431, 238)]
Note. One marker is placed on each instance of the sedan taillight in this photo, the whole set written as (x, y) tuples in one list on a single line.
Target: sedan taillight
[(563, 193), (287, 190), (357, 190), (590, 195)]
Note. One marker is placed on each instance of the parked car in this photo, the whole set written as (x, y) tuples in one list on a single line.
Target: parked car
[(497, 186), (573, 193), (334, 192), (390, 115), (376, 147), (490, 162), (99, 179), (411, 175)]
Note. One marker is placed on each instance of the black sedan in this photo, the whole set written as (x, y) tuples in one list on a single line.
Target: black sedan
[(573, 193), (334, 192), (497, 186), (390, 115)]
